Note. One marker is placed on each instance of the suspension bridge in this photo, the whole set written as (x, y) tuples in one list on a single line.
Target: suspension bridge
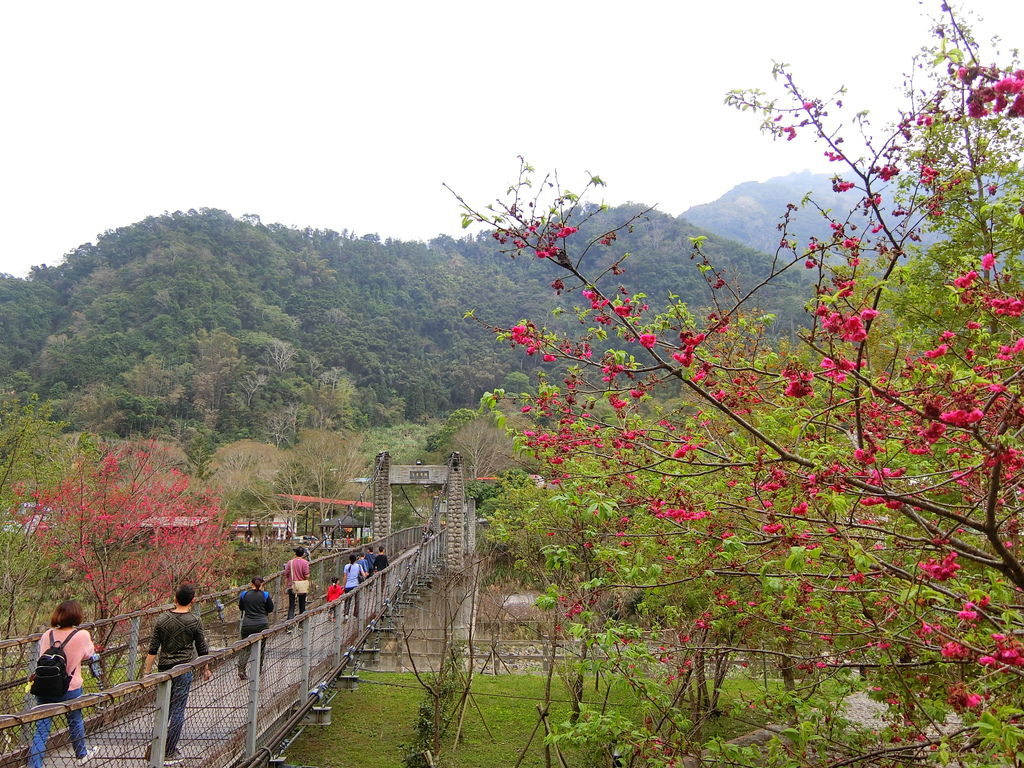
[(232, 722)]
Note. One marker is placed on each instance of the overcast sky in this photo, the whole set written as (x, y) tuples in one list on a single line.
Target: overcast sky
[(350, 115)]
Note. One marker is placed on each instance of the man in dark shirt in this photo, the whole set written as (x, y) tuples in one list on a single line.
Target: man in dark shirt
[(178, 639), (381, 561)]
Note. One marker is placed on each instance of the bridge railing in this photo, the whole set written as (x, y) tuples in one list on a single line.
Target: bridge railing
[(228, 719), (122, 640)]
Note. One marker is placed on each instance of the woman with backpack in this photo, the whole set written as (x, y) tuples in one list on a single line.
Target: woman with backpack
[(58, 678), (255, 606)]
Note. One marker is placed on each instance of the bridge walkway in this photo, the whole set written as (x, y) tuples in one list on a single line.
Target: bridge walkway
[(230, 721)]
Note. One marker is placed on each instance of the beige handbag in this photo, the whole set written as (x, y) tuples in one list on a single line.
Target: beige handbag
[(299, 586)]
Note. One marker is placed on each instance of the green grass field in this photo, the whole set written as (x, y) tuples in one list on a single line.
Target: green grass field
[(369, 726)]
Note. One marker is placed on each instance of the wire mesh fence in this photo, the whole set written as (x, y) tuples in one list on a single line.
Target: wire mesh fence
[(220, 708), (121, 640)]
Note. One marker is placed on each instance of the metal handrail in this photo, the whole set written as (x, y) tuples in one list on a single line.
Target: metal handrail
[(129, 720), (13, 642)]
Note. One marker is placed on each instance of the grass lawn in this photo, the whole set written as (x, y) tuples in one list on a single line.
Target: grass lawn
[(369, 726)]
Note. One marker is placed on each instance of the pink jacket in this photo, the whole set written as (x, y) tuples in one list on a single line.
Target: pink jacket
[(78, 650), (296, 569)]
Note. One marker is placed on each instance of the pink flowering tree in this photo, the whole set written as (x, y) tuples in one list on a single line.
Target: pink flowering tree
[(124, 529), (843, 508)]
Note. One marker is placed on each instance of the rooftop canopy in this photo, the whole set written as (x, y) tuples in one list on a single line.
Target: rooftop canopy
[(322, 500)]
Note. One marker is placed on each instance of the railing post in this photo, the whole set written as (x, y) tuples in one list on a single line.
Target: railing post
[(307, 655), (338, 629), (255, 663), (161, 718), (133, 649)]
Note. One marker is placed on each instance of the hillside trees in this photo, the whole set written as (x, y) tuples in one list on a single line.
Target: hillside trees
[(168, 295), (31, 454), (852, 500)]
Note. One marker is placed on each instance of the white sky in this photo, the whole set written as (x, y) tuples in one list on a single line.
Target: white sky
[(350, 114)]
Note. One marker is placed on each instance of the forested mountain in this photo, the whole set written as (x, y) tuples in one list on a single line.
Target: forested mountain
[(201, 322)]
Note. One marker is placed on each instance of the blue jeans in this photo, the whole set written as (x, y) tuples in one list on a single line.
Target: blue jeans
[(180, 687), (76, 725)]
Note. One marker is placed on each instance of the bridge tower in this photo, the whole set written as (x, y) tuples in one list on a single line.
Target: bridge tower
[(382, 496), (455, 508), (450, 480)]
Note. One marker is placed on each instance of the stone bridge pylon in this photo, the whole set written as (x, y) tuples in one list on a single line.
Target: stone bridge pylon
[(448, 481)]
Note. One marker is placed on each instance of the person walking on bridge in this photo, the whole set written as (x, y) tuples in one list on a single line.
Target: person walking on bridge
[(353, 574), (296, 581), (178, 639), (380, 562), (255, 607), (77, 646)]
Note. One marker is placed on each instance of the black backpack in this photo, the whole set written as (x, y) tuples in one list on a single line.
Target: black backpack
[(51, 679)]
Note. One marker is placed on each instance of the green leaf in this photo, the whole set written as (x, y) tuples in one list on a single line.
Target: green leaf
[(797, 559)]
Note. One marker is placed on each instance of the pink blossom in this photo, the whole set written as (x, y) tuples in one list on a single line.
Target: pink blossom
[(966, 280), (962, 417), (941, 571), (853, 329), (988, 261), (968, 613), (648, 340)]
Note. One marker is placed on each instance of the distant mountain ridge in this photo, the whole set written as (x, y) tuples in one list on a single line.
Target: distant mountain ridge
[(750, 212)]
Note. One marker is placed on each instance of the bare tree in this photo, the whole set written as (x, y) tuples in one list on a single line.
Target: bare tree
[(281, 354), (331, 377), (484, 446), (244, 473), (315, 364), (323, 464), (281, 424), (250, 384)]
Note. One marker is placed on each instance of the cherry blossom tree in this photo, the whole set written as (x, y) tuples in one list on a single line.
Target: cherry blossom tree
[(846, 500), (125, 529)]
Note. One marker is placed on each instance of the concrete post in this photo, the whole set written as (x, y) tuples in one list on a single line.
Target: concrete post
[(382, 497), (338, 629), (251, 729), (161, 718), (455, 504), (132, 671), (307, 656)]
